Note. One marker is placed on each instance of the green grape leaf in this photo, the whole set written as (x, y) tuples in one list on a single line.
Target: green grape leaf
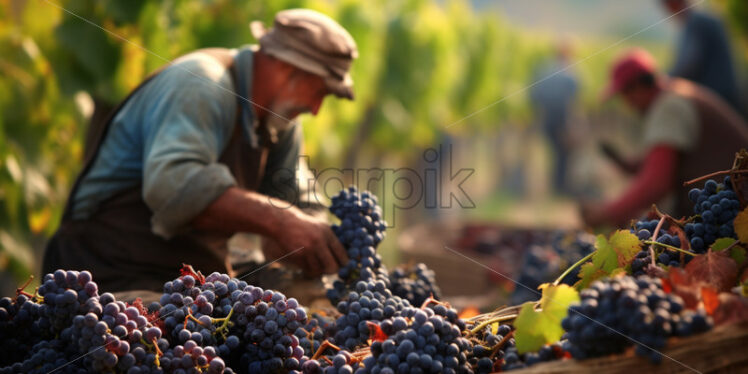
[(722, 243), (610, 254), (537, 328), (737, 252), (741, 225)]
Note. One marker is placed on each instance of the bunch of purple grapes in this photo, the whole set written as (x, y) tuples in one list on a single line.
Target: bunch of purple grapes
[(250, 328), (427, 340), (190, 357), (615, 313), (644, 230), (368, 302), (118, 339), (46, 356), (19, 328), (360, 231), (314, 333), (416, 284), (341, 363), (67, 294), (716, 205)]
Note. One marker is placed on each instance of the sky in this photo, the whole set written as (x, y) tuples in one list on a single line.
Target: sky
[(585, 18)]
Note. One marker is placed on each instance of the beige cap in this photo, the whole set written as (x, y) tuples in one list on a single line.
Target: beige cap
[(312, 42)]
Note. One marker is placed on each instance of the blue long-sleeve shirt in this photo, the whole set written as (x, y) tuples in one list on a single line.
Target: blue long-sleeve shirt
[(703, 56), (554, 91), (169, 137)]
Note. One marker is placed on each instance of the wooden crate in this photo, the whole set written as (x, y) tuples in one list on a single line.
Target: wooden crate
[(469, 259), (723, 350), (455, 274)]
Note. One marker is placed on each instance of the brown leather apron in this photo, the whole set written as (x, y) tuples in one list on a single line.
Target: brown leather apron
[(117, 245)]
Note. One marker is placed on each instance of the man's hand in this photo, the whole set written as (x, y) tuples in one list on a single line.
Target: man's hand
[(612, 154), (592, 213), (308, 243)]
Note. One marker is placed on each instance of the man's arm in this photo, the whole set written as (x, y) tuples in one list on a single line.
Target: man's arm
[(306, 241), (628, 166), (652, 183), (184, 184)]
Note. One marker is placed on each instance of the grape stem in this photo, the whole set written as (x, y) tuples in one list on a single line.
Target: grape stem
[(154, 346), (223, 329), (37, 297), (20, 290), (654, 239), (325, 344), (500, 344), (192, 317), (572, 267), (715, 174), (432, 300), (483, 324), (652, 243), (158, 353)]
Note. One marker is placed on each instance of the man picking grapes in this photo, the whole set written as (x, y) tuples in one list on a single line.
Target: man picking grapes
[(205, 148), (688, 130)]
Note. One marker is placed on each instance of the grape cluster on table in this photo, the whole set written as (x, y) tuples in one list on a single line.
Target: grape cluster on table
[(385, 323), (620, 312), (716, 206), (644, 230), (416, 283), (543, 262)]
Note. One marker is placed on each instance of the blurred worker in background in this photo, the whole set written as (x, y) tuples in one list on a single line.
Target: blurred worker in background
[(552, 94), (703, 53), (203, 149), (688, 132)]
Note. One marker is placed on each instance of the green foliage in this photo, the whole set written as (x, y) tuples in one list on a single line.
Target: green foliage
[(423, 66), (737, 252), (611, 255), (537, 328)]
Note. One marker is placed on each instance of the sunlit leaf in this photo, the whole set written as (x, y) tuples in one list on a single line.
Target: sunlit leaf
[(536, 328), (610, 255), (741, 225)]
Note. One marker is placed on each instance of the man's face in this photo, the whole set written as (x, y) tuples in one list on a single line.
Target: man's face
[(302, 92), (637, 97)]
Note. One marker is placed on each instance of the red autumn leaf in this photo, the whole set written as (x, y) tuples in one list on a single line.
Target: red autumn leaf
[(188, 270), (679, 283), (153, 318), (710, 298), (375, 332), (666, 286), (732, 309), (716, 269)]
